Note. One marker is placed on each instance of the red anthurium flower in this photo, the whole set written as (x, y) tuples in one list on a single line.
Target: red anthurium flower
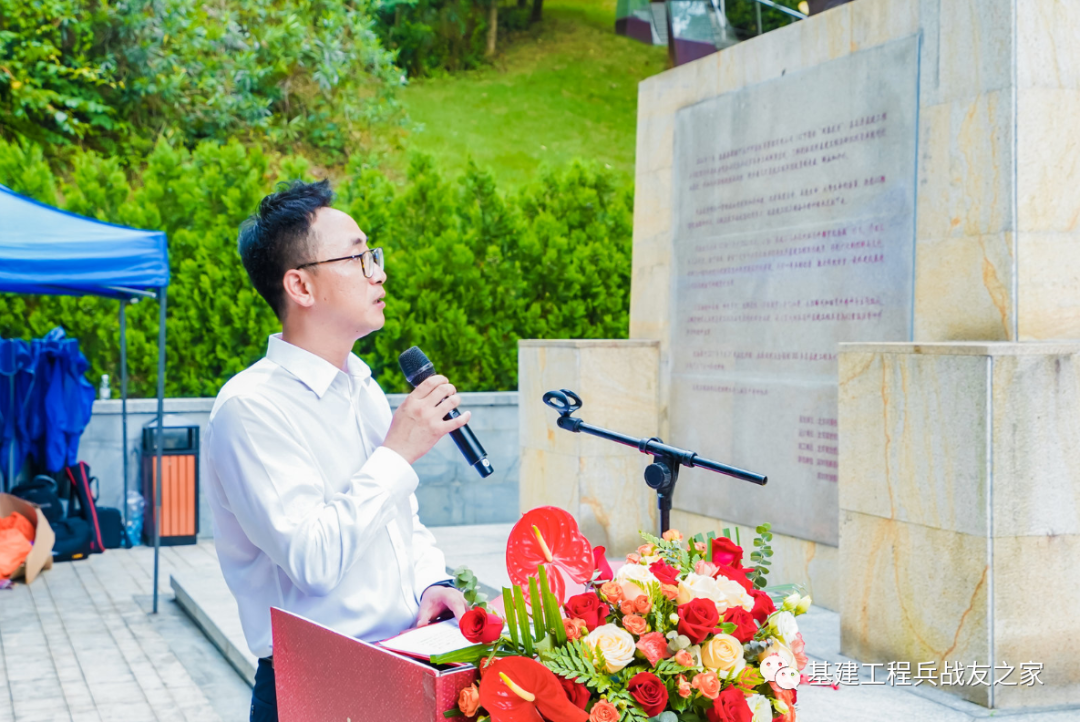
[(601, 563), (550, 537), (575, 692), (519, 689), (726, 552)]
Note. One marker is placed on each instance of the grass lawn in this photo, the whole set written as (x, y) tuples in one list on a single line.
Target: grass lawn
[(565, 89)]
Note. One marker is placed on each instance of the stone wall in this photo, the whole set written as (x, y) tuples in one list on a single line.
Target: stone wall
[(450, 492), (600, 482), (960, 510), (997, 192)]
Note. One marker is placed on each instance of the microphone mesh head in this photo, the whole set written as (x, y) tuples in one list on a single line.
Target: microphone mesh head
[(415, 365)]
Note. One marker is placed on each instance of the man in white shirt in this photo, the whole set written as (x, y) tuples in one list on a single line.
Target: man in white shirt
[(309, 474)]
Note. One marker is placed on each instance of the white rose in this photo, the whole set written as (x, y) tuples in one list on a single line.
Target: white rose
[(635, 580), (616, 644), (734, 595), (760, 708), (785, 625), (721, 591), (777, 647), (698, 586)]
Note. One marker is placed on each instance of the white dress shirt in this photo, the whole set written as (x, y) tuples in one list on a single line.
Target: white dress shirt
[(311, 514)]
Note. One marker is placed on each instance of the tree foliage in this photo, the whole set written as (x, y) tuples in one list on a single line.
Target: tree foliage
[(470, 270), (122, 74), (433, 36)]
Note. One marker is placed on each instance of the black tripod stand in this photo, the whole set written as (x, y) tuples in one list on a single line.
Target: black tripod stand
[(660, 475)]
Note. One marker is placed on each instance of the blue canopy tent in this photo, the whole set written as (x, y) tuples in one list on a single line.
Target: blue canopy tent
[(44, 250)]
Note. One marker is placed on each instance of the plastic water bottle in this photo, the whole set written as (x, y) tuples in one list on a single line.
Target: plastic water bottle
[(104, 391), (135, 507)]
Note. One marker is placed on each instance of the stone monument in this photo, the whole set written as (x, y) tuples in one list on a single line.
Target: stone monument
[(900, 173)]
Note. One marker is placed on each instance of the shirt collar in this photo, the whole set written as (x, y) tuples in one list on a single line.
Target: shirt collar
[(313, 371)]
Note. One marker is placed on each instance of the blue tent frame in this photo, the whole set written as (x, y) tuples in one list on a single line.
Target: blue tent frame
[(47, 251)]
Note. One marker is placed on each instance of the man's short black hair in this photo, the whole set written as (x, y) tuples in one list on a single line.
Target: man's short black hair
[(278, 237)]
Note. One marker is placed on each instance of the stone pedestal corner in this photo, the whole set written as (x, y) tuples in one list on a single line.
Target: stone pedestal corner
[(960, 511), (598, 481)]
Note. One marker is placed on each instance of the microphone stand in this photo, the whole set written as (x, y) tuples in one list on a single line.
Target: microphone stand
[(663, 473)]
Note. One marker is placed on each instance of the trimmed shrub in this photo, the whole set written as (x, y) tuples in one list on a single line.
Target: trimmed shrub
[(470, 270)]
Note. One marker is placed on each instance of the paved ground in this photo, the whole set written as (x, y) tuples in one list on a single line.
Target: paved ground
[(79, 644)]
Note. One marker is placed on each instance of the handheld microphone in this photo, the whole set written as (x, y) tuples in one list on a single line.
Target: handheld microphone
[(417, 368)]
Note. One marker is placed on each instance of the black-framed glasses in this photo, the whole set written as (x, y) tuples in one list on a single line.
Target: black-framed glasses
[(368, 260)]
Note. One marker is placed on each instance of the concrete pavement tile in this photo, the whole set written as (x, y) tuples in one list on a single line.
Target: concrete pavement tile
[(44, 716), (87, 716), (116, 693), (139, 712), (41, 709), (36, 689)]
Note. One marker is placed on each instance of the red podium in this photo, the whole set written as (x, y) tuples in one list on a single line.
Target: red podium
[(325, 675)]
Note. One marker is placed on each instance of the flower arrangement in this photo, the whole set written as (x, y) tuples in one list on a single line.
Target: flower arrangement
[(681, 632)]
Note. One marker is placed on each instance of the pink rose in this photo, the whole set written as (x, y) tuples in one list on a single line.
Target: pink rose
[(798, 649), (654, 646), (704, 568)]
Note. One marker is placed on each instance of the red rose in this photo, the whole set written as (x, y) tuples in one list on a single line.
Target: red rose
[(763, 606), (730, 706), (725, 552), (600, 560), (649, 691), (736, 574), (663, 571), (479, 627), (697, 619), (745, 628), (588, 608), (577, 693)]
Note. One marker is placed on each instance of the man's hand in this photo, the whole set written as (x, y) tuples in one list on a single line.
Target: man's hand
[(438, 599), (418, 422)]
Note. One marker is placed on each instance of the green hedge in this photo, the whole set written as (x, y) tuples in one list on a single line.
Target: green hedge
[(470, 270)]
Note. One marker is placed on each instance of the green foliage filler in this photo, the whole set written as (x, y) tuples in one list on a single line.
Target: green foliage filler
[(470, 270)]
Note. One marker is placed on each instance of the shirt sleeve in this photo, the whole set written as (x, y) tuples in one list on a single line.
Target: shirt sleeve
[(272, 487), (430, 564)]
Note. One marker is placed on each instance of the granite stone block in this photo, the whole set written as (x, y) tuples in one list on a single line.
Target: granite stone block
[(914, 439), (913, 593), (1046, 33), (1048, 160), (963, 288), (1051, 286)]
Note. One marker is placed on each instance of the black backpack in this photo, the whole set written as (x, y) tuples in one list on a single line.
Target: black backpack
[(72, 539), (41, 490)]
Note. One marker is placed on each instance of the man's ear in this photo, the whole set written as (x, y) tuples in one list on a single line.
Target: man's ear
[(298, 288)]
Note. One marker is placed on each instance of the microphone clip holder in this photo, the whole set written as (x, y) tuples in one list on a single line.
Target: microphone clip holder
[(663, 473)]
